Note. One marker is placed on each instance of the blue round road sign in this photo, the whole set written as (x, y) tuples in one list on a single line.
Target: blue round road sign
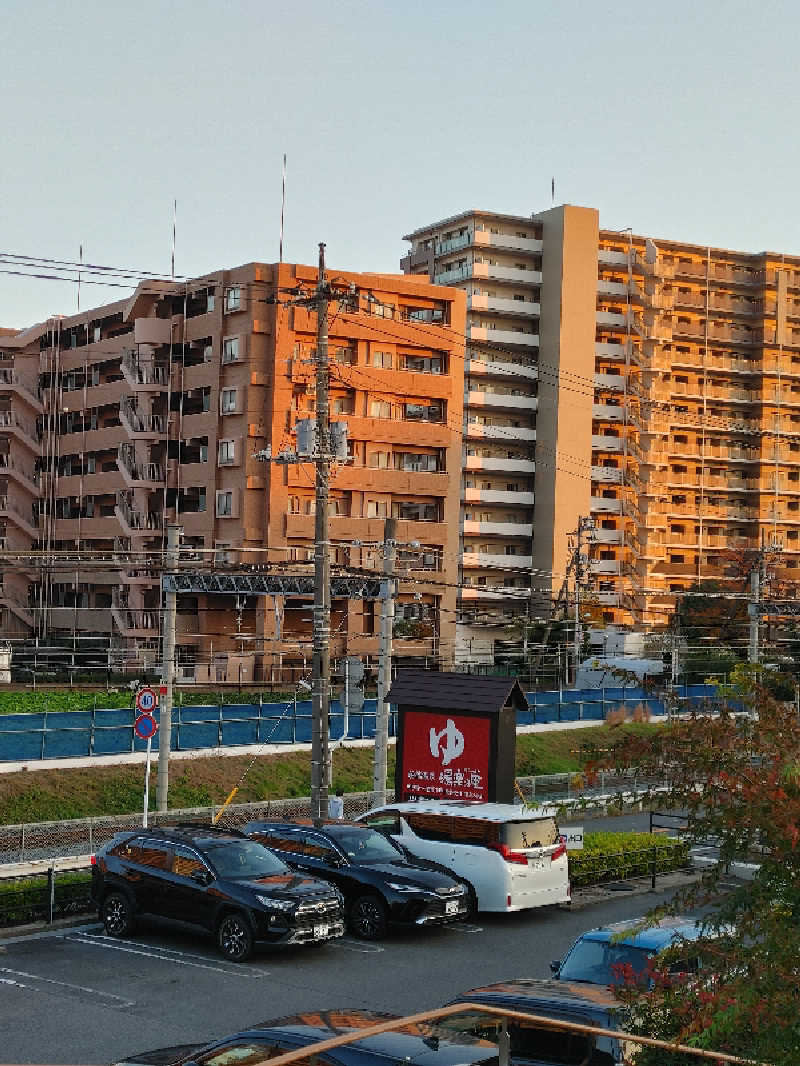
[(146, 700), (145, 727)]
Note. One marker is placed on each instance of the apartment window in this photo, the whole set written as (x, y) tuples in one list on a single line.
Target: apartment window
[(377, 509), (418, 412), (379, 460), (382, 359), (233, 298), (90, 464), (209, 300), (228, 401), (422, 364), (226, 454), (225, 504), (230, 350), (293, 505), (676, 558), (344, 405), (380, 409)]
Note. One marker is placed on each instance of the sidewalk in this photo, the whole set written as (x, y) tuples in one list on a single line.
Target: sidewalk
[(137, 758)]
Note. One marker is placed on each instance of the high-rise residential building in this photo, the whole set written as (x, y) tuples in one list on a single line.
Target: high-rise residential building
[(649, 387), (124, 418)]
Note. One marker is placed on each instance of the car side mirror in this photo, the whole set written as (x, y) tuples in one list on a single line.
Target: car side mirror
[(555, 966), (201, 877)]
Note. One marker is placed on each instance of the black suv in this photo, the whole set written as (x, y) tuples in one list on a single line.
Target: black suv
[(380, 883), (214, 878)]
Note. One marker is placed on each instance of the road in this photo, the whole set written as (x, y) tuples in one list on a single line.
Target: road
[(80, 997)]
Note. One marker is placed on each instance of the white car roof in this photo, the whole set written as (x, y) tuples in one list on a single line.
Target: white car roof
[(491, 812)]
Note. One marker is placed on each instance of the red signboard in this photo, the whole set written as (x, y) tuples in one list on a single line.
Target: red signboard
[(445, 756)]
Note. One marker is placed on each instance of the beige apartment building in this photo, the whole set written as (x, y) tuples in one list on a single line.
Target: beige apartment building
[(650, 388), (121, 420)]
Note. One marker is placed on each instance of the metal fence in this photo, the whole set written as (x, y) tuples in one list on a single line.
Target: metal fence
[(39, 841), (77, 734), (47, 899)]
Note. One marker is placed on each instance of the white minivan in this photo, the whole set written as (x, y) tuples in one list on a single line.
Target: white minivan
[(513, 858)]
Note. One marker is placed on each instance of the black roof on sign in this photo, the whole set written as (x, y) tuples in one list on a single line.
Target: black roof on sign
[(456, 692)]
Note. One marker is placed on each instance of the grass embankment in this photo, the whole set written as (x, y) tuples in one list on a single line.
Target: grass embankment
[(52, 795)]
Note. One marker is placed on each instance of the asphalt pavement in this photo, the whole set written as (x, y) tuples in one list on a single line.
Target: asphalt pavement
[(76, 995)]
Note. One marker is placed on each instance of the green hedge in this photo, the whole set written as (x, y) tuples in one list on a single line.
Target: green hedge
[(619, 856), (26, 900)]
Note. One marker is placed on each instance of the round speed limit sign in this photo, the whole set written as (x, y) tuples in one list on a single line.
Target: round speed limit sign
[(146, 700)]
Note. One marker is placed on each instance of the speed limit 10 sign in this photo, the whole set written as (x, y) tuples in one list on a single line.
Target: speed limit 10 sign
[(146, 700)]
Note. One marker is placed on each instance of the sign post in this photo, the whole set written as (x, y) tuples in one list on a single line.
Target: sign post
[(146, 728)]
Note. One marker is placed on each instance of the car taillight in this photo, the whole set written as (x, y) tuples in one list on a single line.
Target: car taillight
[(560, 850), (510, 855), (93, 860)]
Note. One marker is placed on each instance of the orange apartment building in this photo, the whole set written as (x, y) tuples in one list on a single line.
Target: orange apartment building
[(650, 385), (125, 418)]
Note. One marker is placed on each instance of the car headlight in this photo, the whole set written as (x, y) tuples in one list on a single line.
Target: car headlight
[(276, 904), (402, 888)]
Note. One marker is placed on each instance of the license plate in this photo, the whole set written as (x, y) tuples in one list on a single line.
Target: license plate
[(451, 906), (535, 864), (320, 931)]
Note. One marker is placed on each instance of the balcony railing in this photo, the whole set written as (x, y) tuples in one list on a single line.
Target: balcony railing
[(11, 420), (147, 375), (144, 473), (136, 422)]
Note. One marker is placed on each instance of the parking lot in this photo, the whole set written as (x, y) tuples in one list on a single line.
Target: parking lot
[(78, 996)]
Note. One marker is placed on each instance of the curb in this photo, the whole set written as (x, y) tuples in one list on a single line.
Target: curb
[(638, 886)]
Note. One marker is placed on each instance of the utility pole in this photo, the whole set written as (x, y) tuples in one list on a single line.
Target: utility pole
[(583, 524), (385, 662), (321, 661), (168, 673), (752, 610)]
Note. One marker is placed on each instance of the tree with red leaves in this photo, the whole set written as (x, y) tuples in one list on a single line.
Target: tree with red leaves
[(736, 777)]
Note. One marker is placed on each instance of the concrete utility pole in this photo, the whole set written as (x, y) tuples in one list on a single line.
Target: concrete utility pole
[(321, 661), (384, 661), (584, 524), (752, 610), (168, 673)]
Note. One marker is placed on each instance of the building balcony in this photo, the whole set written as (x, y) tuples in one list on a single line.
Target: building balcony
[(477, 560), (609, 475), (20, 428), (506, 337), (606, 412), (605, 505), (454, 244), (605, 566), (17, 608), (615, 382), (609, 599), (506, 273), (136, 523), (483, 238), (500, 400), (603, 443), (477, 431), (483, 302), (490, 463), (12, 512), (134, 623), (11, 382), (138, 475), (607, 350), (491, 368), (454, 276), (610, 319), (608, 257), (499, 529), (606, 536), (143, 377), (520, 498), (137, 425), (22, 473)]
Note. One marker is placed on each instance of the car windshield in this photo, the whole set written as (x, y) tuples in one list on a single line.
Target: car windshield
[(243, 860), (599, 962), (365, 845)]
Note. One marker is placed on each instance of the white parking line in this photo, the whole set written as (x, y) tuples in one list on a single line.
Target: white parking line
[(463, 927), (356, 945), (59, 986), (180, 958)]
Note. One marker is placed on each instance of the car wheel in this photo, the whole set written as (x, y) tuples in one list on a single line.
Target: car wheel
[(472, 903), (117, 914), (235, 937), (367, 918)]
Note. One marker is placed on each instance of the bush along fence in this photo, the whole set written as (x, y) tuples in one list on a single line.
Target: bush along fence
[(608, 857), (55, 895), (59, 734)]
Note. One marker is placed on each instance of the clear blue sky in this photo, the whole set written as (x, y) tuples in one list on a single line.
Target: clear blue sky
[(676, 119)]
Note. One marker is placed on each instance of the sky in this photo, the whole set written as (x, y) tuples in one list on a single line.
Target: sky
[(675, 119)]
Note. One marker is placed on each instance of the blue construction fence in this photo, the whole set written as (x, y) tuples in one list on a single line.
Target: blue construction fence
[(71, 734)]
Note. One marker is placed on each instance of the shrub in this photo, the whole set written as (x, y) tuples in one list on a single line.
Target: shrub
[(619, 856)]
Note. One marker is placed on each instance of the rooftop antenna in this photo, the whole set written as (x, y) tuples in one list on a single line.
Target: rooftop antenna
[(283, 205), (80, 257), (174, 229), (553, 189)]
